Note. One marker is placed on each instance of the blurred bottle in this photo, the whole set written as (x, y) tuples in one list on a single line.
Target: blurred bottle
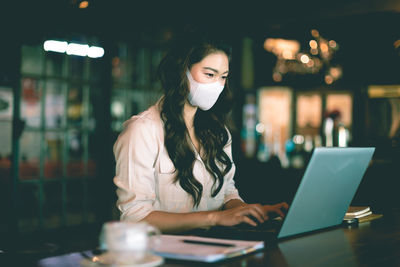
[(298, 155), (289, 150), (308, 144), (331, 128), (343, 136), (263, 152), (328, 131), (249, 133), (317, 141)]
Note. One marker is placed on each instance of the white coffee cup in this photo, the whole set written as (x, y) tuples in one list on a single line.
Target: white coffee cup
[(128, 241)]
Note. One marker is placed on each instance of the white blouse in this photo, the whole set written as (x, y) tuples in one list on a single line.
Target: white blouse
[(145, 173)]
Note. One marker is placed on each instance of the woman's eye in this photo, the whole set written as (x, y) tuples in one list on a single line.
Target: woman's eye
[(210, 75), (224, 77)]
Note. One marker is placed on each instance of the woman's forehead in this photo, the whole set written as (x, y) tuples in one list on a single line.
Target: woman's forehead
[(217, 60)]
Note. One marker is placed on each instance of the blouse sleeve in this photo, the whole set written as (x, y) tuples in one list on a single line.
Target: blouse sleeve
[(231, 191), (135, 153)]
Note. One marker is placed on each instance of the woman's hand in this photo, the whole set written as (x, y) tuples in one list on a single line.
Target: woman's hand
[(279, 209), (246, 213), (252, 214)]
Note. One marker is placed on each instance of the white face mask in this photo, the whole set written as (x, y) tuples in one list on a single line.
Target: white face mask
[(203, 95)]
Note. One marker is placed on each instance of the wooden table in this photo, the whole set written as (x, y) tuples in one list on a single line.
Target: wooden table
[(375, 243)]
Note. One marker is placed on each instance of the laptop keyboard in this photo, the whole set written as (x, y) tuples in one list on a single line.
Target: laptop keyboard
[(265, 231), (269, 225)]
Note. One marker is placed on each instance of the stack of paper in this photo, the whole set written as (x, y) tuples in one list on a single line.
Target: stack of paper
[(195, 248), (357, 212), (360, 214)]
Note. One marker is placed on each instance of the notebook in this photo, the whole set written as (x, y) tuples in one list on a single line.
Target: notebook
[(195, 248), (325, 192)]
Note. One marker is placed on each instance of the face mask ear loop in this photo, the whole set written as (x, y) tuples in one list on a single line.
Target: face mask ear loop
[(192, 86)]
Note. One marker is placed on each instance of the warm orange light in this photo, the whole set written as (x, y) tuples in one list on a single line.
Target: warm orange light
[(277, 77), (84, 4), (313, 44), (332, 44), (286, 49), (314, 33), (335, 72), (324, 48), (328, 79), (286, 54), (397, 44)]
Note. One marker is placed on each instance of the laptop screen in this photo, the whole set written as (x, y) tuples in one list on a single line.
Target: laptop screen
[(326, 190)]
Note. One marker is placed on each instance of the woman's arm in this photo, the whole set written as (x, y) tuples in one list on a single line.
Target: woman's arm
[(235, 212), (233, 203), (168, 222)]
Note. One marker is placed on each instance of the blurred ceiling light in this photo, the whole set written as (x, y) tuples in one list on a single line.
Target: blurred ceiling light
[(286, 54), (324, 48), (328, 79), (77, 49), (95, 52), (315, 33), (304, 59), (313, 44), (277, 77), (317, 58), (84, 4), (286, 49), (55, 46), (336, 72), (82, 50)]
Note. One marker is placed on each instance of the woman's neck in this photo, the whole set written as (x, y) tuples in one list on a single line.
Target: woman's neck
[(189, 112)]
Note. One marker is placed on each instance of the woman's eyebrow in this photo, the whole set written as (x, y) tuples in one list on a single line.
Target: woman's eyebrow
[(214, 70)]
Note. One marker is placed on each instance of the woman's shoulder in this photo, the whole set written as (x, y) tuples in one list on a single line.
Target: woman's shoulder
[(147, 118), (147, 123), (142, 130)]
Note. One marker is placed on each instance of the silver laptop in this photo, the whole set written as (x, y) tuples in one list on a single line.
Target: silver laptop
[(326, 190), (324, 194)]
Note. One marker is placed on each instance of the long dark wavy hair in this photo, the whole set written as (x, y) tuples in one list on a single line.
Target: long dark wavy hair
[(210, 126)]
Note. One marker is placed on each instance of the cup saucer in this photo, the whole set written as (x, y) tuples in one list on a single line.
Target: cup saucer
[(109, 259)]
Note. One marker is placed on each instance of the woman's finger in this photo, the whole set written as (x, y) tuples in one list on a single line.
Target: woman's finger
[(258, 208), (283, 205), (279, 211), (247, 220), (253, 212)]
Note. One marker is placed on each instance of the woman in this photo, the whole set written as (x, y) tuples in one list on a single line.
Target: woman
[(174, 164)]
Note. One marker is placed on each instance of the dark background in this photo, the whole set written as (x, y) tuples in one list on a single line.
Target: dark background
[(365, 31)]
